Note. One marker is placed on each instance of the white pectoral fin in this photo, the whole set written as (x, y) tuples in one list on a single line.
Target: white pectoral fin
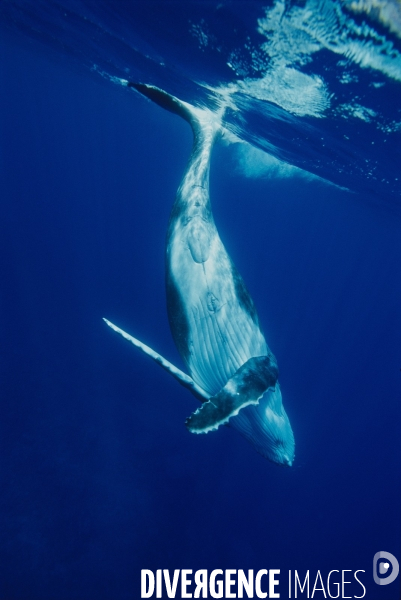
[(182, 377), (245, 387)]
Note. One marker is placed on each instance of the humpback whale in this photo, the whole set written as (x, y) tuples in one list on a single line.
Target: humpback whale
[(212, 317)]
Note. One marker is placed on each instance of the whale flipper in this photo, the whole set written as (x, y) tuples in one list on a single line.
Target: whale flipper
[(179, 375), (246, 387)]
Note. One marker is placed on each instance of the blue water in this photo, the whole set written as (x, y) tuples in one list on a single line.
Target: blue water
[(99, 476)]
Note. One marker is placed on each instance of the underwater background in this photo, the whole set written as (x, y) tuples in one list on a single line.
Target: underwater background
[(99, 476)]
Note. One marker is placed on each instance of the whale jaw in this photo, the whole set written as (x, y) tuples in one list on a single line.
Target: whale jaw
[(267, 427)]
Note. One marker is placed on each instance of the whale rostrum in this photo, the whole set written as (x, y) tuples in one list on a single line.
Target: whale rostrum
[(212, 317)]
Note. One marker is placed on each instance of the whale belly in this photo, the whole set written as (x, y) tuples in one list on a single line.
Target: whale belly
[(221, 328)]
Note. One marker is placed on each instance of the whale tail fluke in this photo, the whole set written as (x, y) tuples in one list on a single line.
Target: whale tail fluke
[(166, 101), (198, 118)]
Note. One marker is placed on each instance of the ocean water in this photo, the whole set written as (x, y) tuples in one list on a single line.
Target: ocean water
[(99, 476)]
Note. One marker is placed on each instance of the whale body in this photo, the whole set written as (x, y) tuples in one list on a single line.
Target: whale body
[(212, 317)]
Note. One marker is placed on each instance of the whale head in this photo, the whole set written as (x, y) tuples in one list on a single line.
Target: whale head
[(267, 427)]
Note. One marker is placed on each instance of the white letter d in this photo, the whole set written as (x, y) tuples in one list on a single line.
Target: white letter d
[(145, 573)]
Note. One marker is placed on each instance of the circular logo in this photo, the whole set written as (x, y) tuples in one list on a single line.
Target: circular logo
[(384, 567)]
